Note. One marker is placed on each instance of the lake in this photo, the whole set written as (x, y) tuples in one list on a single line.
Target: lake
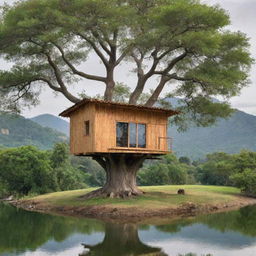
[(28, 233)]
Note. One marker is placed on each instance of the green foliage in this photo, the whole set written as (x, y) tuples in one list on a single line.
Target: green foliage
[(33, 230), (167, 171), (180, 41), (27, 170), (246, 180), (67, 176), (223, 169), (216, 170), (185, 160), (95, 176)]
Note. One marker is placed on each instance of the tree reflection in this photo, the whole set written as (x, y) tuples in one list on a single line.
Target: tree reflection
[(21, 230), (121, 240), (242, 221)]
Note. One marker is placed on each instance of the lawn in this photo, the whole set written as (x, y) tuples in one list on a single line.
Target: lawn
[(155, 197)]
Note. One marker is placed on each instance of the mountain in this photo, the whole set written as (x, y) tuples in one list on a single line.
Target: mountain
[(51, 121), (16, 131), (227, 135)]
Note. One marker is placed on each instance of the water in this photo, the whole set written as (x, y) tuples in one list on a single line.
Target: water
[(27, 233)]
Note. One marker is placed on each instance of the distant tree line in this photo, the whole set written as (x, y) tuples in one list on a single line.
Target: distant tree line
[(28, 170), (216, 169)]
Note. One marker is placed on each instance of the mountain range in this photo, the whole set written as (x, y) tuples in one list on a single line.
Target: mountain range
[(16, 131), (227, 135)]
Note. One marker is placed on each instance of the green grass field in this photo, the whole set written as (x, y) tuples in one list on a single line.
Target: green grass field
[(155, 197)]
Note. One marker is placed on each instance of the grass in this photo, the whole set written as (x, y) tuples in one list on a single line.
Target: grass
[(155, 197)]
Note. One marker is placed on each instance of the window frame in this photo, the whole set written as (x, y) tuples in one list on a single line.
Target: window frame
[(137, 134), (87, 127)]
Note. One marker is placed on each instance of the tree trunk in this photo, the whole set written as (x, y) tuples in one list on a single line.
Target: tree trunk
[(121, 171), (121, 239)]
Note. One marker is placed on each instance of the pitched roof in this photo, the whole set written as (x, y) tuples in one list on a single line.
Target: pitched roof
[(67, 112)]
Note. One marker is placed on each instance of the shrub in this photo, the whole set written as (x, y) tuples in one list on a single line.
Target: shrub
[(246, 181)]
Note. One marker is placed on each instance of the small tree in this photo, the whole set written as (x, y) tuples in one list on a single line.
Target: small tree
[(179, 43), (67, 176), (26, 169)]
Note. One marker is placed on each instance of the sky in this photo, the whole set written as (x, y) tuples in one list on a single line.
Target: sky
[(243, 18)]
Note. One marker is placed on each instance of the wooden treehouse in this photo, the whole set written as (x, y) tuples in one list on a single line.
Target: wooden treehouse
[(98, 127)]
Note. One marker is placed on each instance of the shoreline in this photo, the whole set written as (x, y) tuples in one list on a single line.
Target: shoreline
[(133, 214)]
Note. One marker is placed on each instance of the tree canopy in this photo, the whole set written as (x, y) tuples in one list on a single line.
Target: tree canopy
[(179, 43)]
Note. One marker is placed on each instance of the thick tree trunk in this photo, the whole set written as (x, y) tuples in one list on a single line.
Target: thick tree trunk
[(121, 239), (121, 171)]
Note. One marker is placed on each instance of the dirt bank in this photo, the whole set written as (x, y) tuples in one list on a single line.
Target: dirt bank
[(133, 214)]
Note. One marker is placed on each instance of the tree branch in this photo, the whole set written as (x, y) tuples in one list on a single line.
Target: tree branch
[(77, 72), (57, 73), (155, 95), (101, 42), (172, 64), (95, 48)]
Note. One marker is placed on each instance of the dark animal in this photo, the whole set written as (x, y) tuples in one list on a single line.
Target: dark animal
[(181, 192)]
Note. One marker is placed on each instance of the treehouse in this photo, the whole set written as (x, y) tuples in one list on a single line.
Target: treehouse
[(98, 127)]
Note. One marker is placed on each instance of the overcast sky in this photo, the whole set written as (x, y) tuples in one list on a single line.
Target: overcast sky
[(243, 18)]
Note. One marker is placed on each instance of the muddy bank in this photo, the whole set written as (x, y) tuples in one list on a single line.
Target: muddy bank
[(133, 214)]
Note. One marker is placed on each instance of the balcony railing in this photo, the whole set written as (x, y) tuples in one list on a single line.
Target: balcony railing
[(167, 142)]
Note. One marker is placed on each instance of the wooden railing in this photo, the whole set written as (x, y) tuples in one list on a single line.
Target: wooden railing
[(168, 141)]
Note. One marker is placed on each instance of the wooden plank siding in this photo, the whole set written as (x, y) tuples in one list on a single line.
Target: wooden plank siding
[(102, 138), (108, 116), (79, 142)]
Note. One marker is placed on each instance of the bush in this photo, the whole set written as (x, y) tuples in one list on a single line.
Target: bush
[(67, 176), (26, 169), (246, 181), (168, 171), (216, 169)]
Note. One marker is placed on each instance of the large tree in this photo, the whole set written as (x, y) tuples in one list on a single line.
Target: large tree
[(182, 45)]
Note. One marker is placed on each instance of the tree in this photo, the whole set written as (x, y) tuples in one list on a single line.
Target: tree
[(168, 171), (246, 180), (26, 169), (180, 43), (185, 160), (121, 239), (67, 176)]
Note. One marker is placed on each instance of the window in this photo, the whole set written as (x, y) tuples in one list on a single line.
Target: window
[(141, 135), (87, 128), (130, 135), (122, 134)]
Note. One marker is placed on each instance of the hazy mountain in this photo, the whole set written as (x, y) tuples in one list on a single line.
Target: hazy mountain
[(17, 131), (227, 135), (47, 120)]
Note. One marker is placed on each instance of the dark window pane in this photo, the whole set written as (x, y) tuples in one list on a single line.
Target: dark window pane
[(87, 128), (141, 135), (121, 134), (133, 135)]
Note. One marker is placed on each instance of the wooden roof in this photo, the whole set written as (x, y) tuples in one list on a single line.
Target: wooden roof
[(67, 112)]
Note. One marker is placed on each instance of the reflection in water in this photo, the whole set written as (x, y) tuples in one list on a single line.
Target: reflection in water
[(27, 233), (121, 239)]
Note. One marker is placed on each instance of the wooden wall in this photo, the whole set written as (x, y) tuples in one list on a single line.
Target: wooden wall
[(79, 142), (102, 138), (105, 128)]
